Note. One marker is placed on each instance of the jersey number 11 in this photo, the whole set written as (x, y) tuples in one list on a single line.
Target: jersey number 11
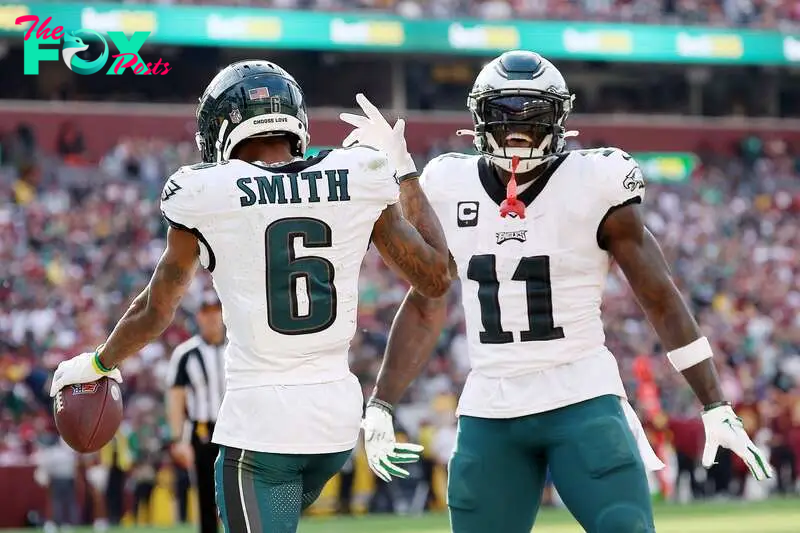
[(535, 272)]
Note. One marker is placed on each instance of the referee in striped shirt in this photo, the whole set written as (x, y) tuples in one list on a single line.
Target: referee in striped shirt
[(196, 386)]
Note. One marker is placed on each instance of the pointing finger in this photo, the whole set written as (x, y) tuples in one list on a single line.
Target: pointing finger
[(400, 127), (369, 108)]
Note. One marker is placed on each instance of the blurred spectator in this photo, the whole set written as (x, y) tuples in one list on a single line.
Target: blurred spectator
[(70, 144), (146, 444), (688, 438), (782, 411), (117, 459), (55, 469), (20, 147)]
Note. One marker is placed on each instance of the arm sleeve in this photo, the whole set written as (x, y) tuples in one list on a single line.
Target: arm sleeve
[(623, 180), (622, 185), (183, 207), (180, 199), (379, 183)]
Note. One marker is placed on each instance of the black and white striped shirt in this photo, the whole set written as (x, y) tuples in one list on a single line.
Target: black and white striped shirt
[(200, 367)]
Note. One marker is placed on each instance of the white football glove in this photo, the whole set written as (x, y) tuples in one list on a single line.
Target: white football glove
[(724, 428), (80, 369), (373, 130), (383, 452)]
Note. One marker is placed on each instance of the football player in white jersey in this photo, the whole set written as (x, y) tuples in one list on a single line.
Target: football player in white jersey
[(283, 238), (532, 231)]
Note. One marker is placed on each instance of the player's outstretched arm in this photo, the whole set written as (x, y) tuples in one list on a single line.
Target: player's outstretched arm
[(417, 252), (147, 317), (420, 319), (639, 256), (637, 252), (412, 339), (415, 331), (421, 256), (152, 311)]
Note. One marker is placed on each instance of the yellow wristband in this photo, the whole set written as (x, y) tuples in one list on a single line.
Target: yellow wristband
[(98, 365)]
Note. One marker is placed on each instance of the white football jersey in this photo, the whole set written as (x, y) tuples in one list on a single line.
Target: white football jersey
[(284, 244), (532, 287)]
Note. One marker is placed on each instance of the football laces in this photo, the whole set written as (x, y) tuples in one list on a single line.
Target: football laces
[(59, 401)]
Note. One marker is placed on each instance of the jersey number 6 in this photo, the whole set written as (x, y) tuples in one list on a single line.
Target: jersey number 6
[(301, 297), (535, 272)]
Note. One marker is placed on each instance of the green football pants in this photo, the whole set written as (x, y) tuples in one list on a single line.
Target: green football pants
[(260, 492), (497, 472)]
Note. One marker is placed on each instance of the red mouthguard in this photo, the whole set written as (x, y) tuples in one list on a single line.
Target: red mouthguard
[(511, 204)]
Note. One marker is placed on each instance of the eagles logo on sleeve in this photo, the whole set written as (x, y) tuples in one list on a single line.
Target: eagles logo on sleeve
[(623, 180), (634, 181), (169, 190)]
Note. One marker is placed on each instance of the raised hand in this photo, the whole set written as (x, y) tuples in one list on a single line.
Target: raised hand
[(373, 130)]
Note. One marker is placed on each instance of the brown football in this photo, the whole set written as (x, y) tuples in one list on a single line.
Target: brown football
[(88, 415)]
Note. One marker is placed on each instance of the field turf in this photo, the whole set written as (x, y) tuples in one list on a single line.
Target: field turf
[(773, 516)]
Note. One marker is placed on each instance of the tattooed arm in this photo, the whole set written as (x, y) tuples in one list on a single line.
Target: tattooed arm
[(419, 252), (632, 245), (419, 321), (412, 339), (152, 311)]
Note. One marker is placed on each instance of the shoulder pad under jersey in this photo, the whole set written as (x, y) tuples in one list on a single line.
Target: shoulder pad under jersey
[(616, 173), (181, 197), (441, 167), (372, 177)]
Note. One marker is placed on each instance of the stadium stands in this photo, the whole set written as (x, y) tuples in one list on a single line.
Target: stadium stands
[(74, 263)]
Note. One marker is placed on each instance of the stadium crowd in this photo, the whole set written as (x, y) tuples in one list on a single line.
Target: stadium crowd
[(782, 14), (79, 240)]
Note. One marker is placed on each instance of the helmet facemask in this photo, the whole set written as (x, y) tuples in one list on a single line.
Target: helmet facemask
[(522, 123)]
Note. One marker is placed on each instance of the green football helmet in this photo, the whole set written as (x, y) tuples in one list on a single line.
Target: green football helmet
[(247, 99)]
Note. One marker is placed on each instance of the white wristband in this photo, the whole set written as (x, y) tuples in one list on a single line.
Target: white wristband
[(691, 354)]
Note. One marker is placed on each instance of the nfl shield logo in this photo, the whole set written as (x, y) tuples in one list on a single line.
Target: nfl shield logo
[(236, 116), (258, 93), (84, 388)]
